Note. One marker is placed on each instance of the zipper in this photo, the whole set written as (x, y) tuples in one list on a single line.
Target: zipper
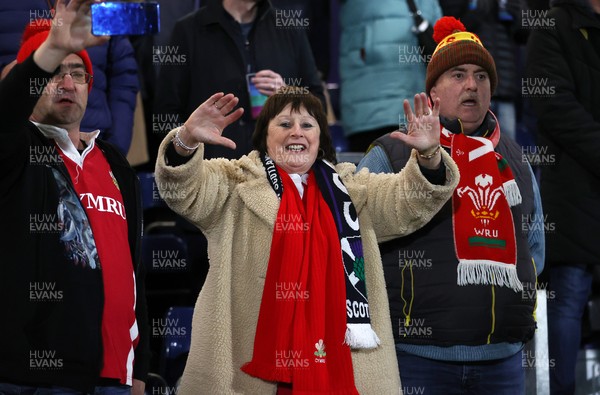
[(493, 328)]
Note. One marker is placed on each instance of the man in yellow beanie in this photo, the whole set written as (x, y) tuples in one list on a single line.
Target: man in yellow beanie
[(71, 298), (462, 288)]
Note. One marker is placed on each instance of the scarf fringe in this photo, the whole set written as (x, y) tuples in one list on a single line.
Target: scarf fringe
[(361, 336), (512, 193), (486, 272)]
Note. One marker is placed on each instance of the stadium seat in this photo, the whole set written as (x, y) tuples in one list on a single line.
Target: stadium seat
[(176, 343), (149, 191)]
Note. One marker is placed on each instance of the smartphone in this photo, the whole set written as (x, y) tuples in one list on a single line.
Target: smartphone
[(257, 99), (125, 18)]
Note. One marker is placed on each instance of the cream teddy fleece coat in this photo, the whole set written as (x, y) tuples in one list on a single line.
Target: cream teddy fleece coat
[(233, 204)]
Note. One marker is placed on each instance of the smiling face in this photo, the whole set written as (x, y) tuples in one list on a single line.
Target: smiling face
[(464, 93), (293, 140), (63, 103)]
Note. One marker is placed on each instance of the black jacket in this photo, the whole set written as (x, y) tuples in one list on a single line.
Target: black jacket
[(563, 74), (214, 58), (51, 306)]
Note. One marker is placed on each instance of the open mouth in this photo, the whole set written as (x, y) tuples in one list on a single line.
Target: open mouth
[(295, 148), (469, 102)]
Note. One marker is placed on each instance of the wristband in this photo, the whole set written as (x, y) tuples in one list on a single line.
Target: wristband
[(179, 143), (431, 155)]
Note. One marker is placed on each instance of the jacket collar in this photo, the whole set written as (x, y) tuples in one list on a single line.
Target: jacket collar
[(489, 124), (61, 137), (581, 12), (258, 195), (215, 13)]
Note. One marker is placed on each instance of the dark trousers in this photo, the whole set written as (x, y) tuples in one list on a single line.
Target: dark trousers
[(430, 377)]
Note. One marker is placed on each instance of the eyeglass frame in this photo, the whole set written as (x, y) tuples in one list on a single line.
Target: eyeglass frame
[(59, 76)]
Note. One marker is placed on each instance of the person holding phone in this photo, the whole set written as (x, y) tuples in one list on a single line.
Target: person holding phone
[(112, 102), (71, 284)]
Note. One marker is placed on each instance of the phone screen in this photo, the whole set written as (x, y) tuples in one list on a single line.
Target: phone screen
[(123, 18), (257, 99)]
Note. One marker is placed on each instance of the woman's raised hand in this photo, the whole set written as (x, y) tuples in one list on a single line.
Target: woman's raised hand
[(207, 122)]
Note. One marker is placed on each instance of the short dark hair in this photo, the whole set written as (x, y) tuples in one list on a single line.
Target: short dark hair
[(298, 98)]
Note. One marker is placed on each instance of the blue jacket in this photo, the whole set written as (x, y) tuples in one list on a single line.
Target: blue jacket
[(380, 62), (112, 100)]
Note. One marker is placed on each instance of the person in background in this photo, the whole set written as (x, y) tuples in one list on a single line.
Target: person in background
[(381, 63), (71, 282), (498, 23), (239, 46), (563, 72), (295, 300), (462, 289), (111, 104), (317, 23)]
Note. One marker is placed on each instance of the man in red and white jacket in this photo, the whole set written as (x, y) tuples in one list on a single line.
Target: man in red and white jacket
[(71, 286)]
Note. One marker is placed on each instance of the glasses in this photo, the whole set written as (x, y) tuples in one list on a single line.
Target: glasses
[(78, 77)]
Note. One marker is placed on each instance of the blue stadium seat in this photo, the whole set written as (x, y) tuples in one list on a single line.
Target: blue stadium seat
[(173, 278), (149, 191), (155, 384), (176, 344), (340, 142)]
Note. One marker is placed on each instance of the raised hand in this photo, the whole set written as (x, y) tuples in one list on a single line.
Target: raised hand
[(72, 26), (70, 32), (423, 130), (207, 122)]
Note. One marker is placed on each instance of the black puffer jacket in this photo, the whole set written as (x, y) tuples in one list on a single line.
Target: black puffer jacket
[(564, 64)]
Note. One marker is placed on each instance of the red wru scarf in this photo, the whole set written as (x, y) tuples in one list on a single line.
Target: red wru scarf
[(484, 233), (302, 320)]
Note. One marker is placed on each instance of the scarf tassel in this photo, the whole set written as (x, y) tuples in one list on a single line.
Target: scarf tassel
[(511, 191), (361, 336), (484, 272)]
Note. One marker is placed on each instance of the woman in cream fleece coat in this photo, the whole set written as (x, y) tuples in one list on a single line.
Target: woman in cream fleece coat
[(235, 206)]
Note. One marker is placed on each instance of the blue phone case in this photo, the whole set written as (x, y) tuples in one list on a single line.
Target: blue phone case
[(123, 18)]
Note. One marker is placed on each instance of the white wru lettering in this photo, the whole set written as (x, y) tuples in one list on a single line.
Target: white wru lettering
[(103, 204)]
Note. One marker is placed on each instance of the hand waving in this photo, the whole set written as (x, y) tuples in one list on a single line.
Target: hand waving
[(72, 26), (207, 122), (71, 31), (423, 129)]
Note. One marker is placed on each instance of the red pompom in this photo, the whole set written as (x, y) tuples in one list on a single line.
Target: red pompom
[(446, 26), (34, 27)]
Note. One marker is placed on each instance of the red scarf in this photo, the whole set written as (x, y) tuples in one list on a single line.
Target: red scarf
[(302, 320), (484, 233)]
